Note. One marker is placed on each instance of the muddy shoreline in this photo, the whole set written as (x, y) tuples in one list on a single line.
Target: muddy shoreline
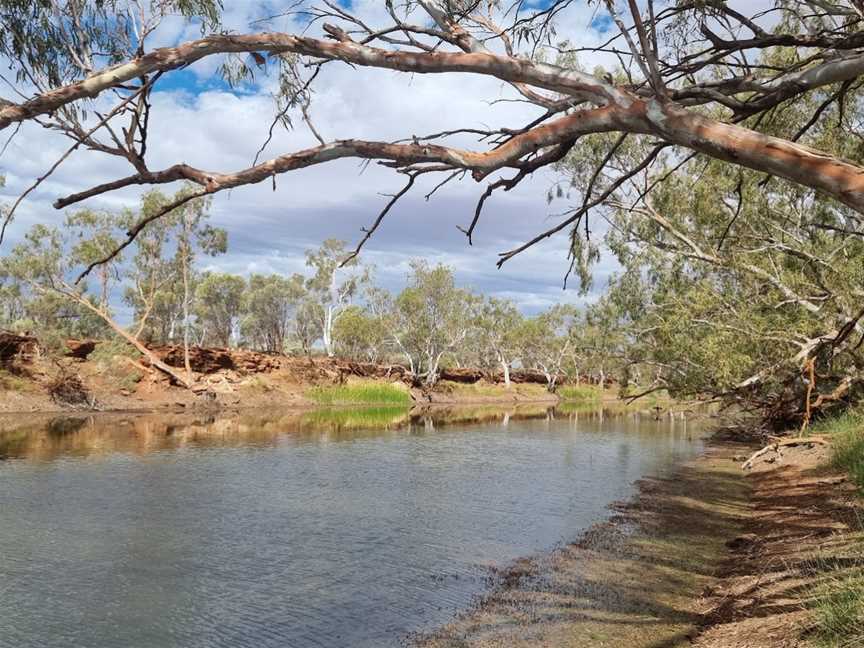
[(709, 556), (629, 580)]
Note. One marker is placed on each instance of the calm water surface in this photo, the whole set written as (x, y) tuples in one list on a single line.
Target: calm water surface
[(291, 530)]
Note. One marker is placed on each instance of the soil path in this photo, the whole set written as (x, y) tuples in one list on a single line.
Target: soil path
[(804, 525)]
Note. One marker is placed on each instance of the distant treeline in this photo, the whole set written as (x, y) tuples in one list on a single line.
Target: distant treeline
[(334, 308)]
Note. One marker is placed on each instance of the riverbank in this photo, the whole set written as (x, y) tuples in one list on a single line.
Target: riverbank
[(710, 556), (107, 376)]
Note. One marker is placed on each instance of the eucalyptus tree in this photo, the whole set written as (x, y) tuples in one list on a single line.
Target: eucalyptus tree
[(43, 265), (431, 317), (219, 306), (153, 288), (496, 333), (360, 334), (601, 343), (193, 236), (337, 281), (269, 308), (749, 289), (687, 79), (12, 305), (307, 324), (546, 342)]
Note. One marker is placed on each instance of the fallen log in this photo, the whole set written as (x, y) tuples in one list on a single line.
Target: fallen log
[(784, 443)]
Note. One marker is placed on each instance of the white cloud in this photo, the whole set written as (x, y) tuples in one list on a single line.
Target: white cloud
[(220, 130)]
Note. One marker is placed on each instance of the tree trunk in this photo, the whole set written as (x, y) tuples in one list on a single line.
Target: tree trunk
[(328, 332), (119, 330), (186, 306), (506, 366)]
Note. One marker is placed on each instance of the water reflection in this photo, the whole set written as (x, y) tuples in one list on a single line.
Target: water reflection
[(328, 528), (47, 437)]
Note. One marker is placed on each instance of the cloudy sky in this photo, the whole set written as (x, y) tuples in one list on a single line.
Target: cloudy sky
[(198, 120)]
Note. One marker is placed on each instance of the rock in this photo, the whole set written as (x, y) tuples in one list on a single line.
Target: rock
[(210, 361), (80, 349), (17, 351), (468, 376), (524, 376)]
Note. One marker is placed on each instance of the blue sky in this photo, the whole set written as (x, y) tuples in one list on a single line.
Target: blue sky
[(198, 119)]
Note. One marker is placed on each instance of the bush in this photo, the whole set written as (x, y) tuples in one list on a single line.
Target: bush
[(107, 350)]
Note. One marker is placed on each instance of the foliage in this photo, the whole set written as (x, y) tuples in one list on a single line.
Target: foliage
[(740, 290), (431, 317), (360, 334), (107, 350), (268, 310), (847, 442), (219, 305)]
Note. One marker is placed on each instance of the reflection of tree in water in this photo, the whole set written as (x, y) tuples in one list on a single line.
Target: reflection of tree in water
[(49, 437), (63, 425)]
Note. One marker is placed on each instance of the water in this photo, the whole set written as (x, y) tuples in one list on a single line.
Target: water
[(291, 530)]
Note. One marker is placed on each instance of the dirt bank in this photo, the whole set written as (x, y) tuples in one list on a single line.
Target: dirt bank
[(107, 377), (803, 526), (709, 556)]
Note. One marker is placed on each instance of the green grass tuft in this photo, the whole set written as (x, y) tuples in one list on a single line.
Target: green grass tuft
[(360, 393), (581, 393), (847, 433), (838, 608), (356, 419)]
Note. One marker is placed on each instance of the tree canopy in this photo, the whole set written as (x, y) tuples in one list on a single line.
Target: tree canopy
[(687, 80)]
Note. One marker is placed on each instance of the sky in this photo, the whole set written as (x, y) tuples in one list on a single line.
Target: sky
[(197, 119)]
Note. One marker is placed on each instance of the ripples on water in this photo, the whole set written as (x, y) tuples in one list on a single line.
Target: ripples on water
[(291, 530)]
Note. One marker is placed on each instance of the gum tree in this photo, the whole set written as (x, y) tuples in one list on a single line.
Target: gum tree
[(431, 317), (40, 264), (338, 280), (219, 306), (687, 80), (496, 328), (270, 310)]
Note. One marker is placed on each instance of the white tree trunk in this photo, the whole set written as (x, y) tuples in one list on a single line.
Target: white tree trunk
[(328, 332)]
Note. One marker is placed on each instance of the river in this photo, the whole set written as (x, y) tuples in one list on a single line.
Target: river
[(334, 528)]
